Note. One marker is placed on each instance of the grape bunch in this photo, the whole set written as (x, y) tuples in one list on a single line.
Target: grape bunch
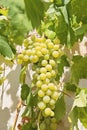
[(43, 54)]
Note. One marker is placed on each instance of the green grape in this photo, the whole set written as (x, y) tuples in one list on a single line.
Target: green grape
[(48, 75), (52, 102), (46, 99), (47, 111), (48, 67), (49, 92), (51, 86), (56, 41), (25, 58), (52, 114), (19, 61), (41, 105), (53, 120), (28, 52), (39, 53), (41, 93), (39, 83), (56, 47), (53, 73), (43, 70), (35, 59), (44, 62), (42, 76), (37, 48), (55, 95), (42, 126), (44, 51), (47, 121), (46, 57), (53, 126), (52, 63), (44, 87), (47, 81), (20, 56), (50, 45), (55, 54)]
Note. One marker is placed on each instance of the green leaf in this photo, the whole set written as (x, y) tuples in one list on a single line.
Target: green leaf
[(59, 2), (73, 118), (80, 99), (70, 87), (23, 75), (78, 68), (50, 34), (62, 62), (35, 11), (27, 126), (82, 113), (60, 108), (79, 9), (78, 113), (5, 49), (17, 26), (24, 91)]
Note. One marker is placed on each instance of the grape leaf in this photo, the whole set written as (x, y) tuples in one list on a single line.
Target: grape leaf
[(80, 99), (24, 91), (70, 87), (78, 68), (60, 108), (62, 62), (35, 11), (73, 118), (5, 49), (79, 9), (78, 113), (27, 126), (82, 114), (17, 25)]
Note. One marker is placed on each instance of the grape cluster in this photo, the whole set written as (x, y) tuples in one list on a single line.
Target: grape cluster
[(48, 124), (43, 54)]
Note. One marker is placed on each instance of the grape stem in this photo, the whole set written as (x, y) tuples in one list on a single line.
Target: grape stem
[(38, 120), (65, 93), (17, 114)]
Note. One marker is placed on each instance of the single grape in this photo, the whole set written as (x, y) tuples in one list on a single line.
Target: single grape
[(46, 57), (55, 54), (48, 67), (49, 92), (43, 70), (47, 111), (46, 81), (51, 86), (41, 93), (42, 126), (55, 95), (42, 76), (25, 58), (50, 45), (56, 47), (39, 83), (46, 99), (48, 75), (41, 105), (52, 102), (44, 62), (52, 63), (44, 87)]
